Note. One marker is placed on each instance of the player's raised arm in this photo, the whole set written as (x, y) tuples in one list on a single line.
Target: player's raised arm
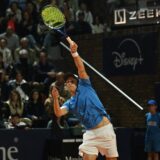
[(78, 61), (59, 111)]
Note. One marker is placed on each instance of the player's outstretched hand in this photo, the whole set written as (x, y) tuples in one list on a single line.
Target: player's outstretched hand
[(73, 47), (55, 93)]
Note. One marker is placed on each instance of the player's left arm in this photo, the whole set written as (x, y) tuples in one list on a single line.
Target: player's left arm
[(78, 61)]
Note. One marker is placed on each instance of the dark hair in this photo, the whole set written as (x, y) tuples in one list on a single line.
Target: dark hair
[(69, 75), (45, 2), (44, 52), (31, 95), (81, 14), (18, 72)]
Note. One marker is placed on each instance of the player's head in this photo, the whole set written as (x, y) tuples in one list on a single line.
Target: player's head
[(152, 105), (71, 82)]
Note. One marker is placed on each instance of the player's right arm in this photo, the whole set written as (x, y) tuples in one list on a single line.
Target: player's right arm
[(59, 111), (78, 61)]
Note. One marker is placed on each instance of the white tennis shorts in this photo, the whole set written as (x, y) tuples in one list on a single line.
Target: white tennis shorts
[(101, 140)]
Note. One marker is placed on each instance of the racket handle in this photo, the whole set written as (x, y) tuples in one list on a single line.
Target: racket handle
[(69, 40)]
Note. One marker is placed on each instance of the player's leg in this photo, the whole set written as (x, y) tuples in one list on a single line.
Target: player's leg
[(89, 157), (88, 152), (108, 147), (87, 149)]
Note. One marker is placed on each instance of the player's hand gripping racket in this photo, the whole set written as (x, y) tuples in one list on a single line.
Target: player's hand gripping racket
[(55, 20)]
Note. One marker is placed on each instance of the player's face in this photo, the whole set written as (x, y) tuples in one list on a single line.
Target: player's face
[(71, 84)]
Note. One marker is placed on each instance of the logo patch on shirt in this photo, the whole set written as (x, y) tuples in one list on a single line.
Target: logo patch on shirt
[(152, 123)]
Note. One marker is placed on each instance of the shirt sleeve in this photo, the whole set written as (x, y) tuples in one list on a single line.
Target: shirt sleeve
[(146, 116), (66, 105), (85, 82)]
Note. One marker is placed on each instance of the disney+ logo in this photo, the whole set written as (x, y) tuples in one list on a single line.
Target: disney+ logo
[(123, 58)]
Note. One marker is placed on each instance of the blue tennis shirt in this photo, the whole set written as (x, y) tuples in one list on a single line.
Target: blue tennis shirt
[(86, 105)]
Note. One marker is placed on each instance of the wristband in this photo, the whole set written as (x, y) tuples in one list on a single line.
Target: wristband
[(75, 54)]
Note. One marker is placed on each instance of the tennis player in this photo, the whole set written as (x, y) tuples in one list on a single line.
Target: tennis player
[(85, 104)]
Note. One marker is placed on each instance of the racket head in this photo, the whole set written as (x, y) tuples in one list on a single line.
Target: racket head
[(52, 17)]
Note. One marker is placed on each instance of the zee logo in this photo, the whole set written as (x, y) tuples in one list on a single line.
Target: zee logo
[(120, 16)]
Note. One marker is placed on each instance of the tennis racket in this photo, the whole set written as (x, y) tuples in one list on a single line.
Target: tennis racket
[(54, 19)]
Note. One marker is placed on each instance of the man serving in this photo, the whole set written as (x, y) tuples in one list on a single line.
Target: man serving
[(85, 104)]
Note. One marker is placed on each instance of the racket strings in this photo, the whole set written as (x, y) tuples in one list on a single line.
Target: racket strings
[(53, 17)]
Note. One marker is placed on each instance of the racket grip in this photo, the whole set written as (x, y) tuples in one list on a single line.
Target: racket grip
[(69, 40)]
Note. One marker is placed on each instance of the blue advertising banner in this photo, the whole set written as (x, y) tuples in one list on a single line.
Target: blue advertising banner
[(132, 54), (43, 144), (23, 145)]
